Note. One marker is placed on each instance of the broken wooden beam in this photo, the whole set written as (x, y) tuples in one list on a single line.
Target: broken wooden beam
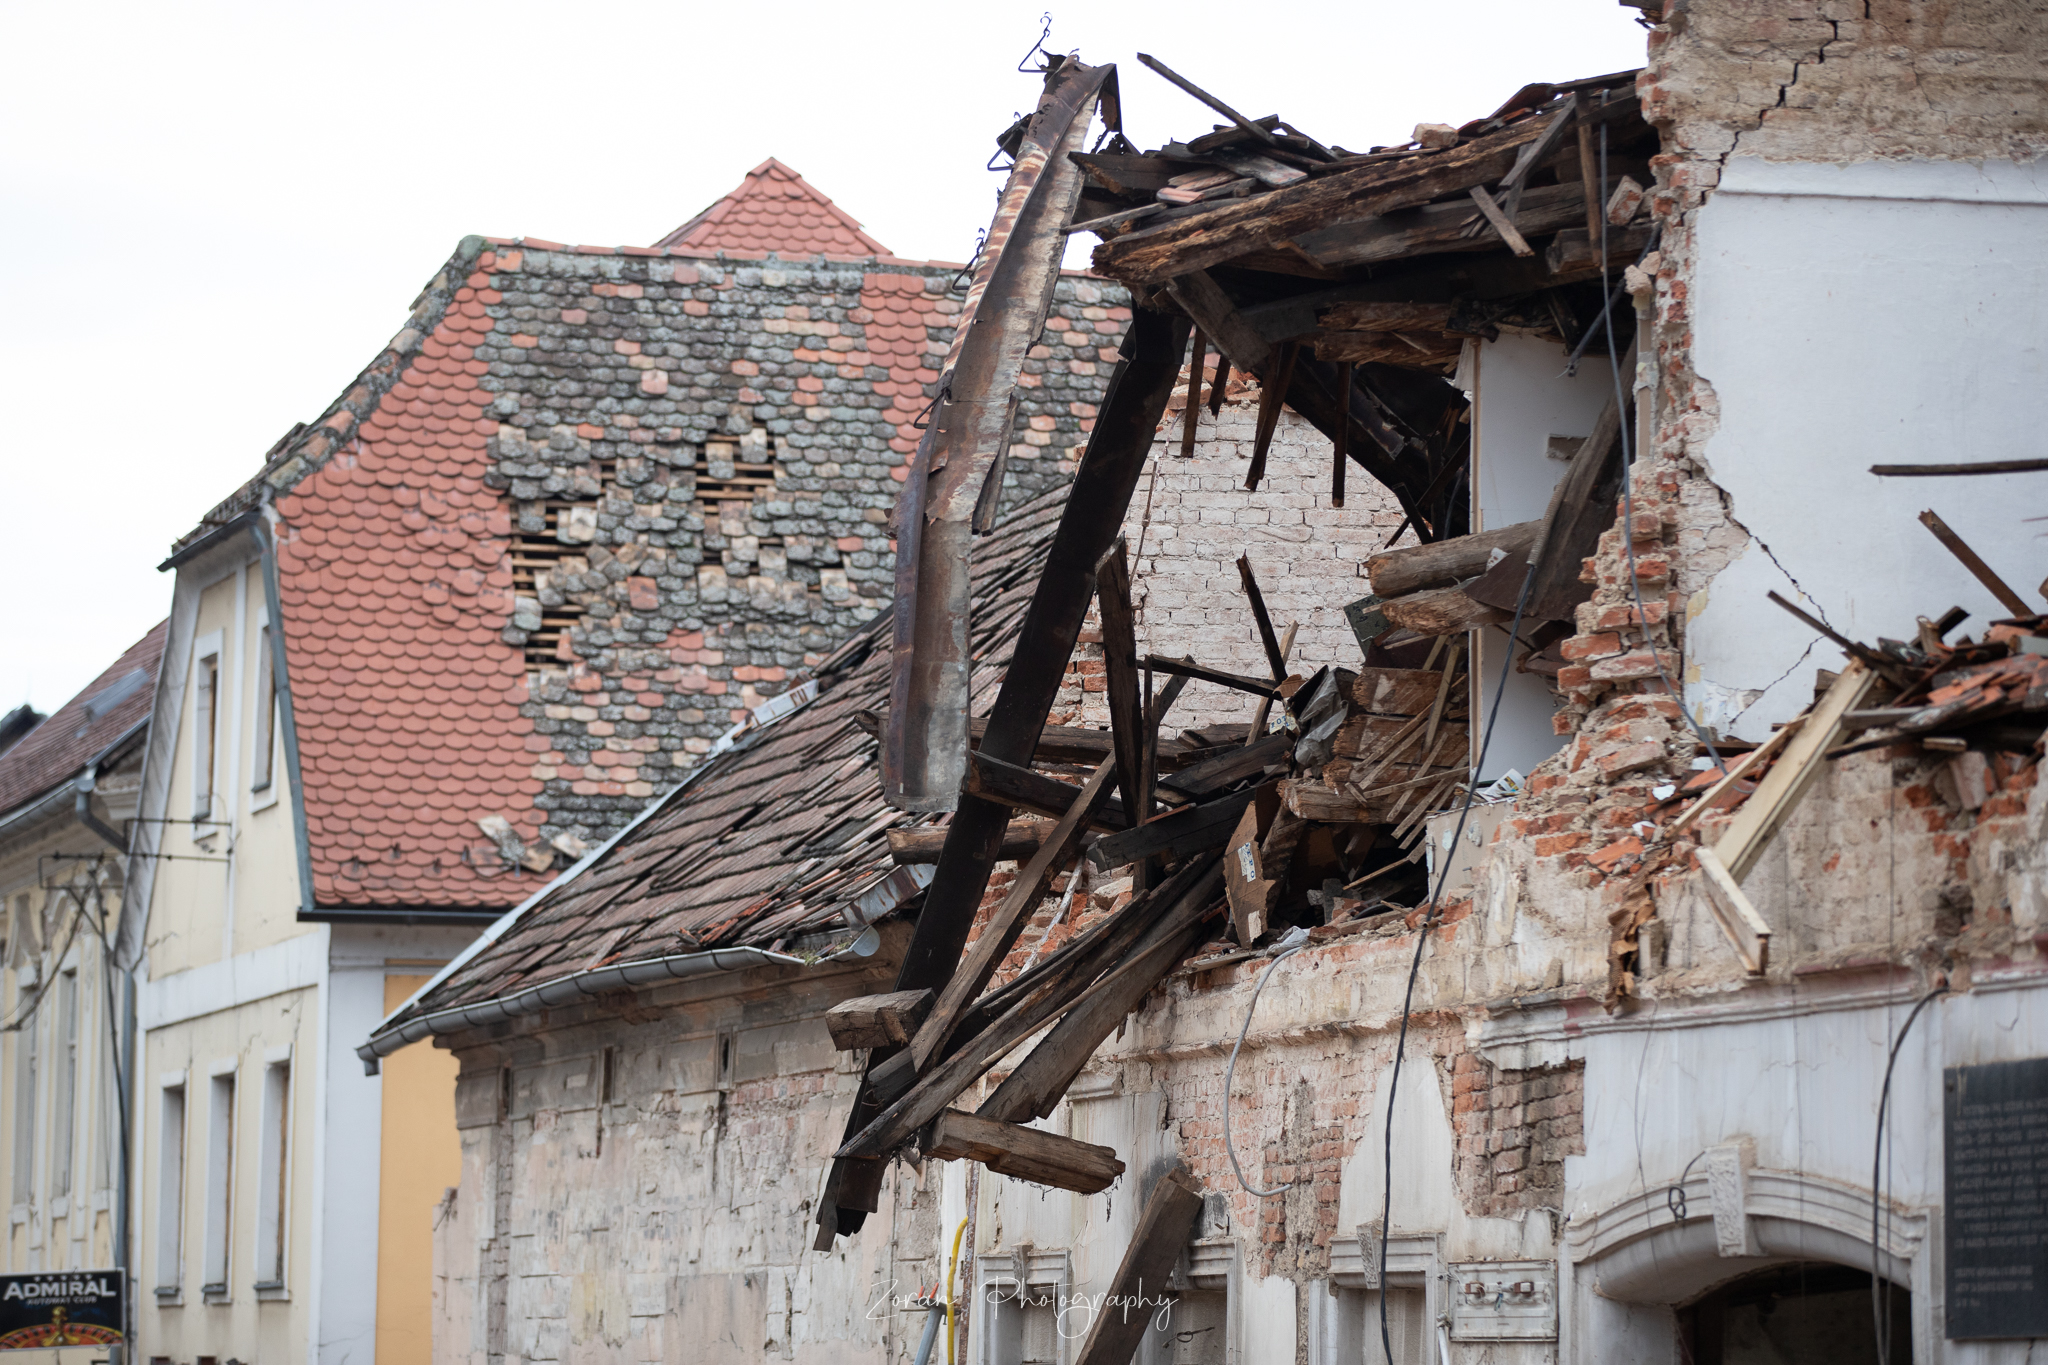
[(1033, 1090), (1230, 767), (1120, 668), (1192, 413), (1582, 507), (1177, 834), (1025, 1153), (1200, 673), (1752, 826), (1747, 930), (877, 1020), (1998, 587), (1441, 563), (1274, 379), (1267, 639), (1021, 839), (994, 780), (1499, 221), (1440, 611), (1140, 1286), (999, 935), (1930, 471)]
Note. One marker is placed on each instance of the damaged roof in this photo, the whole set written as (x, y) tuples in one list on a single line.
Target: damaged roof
[(535, 383), (112, 707), (780, 838)]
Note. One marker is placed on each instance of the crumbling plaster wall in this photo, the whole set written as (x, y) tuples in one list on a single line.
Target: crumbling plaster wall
[(1850, 197), (1794, 339), (638, 1182)]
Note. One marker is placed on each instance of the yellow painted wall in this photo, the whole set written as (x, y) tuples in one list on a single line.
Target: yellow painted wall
[(421, 1157)]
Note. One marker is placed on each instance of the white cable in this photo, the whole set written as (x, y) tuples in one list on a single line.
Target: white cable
[(1291, 943)]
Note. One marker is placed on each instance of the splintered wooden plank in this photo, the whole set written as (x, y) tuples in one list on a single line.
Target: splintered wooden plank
[(1000, 934), (876, 1020), (1440, 611), (1246, 884), (1581, 508), (1739, 920), (1120, 666), (1401, 692), (1775, 798), (1025, 1153), (1140, 1284)]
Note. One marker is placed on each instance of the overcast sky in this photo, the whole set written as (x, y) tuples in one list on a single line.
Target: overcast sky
[(215, 215)]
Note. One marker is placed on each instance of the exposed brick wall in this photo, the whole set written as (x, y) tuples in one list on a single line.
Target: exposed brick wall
[(1188, 523), (1514, 1130)]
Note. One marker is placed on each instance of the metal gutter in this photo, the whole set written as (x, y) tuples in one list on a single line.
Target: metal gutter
[(287, 723), (241, 521), (61, 792), (597, 981)]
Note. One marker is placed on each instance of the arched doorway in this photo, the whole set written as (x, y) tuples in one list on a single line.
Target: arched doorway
[(1802, 1311)]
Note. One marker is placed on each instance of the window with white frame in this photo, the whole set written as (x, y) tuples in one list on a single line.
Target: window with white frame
[(25, 1069), (205, 725), (264, 742), (274, 1171), (220, 1174), (64, 1084), (170, 1187)]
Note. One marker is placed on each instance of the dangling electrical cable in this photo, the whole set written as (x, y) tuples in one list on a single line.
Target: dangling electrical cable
[(1295, 940), (1422, 940), (1884, 1097)]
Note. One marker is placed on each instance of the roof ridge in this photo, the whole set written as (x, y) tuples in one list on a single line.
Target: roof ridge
[(769, 234)]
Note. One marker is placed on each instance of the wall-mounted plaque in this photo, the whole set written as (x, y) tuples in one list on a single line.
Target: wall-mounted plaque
[(1995, 1140)]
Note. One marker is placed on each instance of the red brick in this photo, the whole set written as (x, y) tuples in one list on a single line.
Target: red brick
[(1590, 646)]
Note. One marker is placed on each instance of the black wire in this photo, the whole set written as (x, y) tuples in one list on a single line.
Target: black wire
[(1884, 1096), (1507, 663)]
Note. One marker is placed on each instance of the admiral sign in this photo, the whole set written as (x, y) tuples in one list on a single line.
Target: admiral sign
[(75, 1308)]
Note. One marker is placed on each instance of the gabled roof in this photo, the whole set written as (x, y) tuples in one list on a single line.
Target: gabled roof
[(775, 209), (779, 838), (109, 708)]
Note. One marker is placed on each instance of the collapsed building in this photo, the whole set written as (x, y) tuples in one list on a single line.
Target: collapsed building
[(1604, 960)]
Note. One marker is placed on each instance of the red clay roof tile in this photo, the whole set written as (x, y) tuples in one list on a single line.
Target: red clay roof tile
[(774, 210)]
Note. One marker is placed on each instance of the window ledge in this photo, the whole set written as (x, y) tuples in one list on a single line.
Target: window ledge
[(215, 1293), (170, 1296), (273, 1291)]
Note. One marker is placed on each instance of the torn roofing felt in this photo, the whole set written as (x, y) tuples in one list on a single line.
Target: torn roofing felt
[(780, 839)]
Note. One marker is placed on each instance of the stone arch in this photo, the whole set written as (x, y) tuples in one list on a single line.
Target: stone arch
[(1632, 1264)]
